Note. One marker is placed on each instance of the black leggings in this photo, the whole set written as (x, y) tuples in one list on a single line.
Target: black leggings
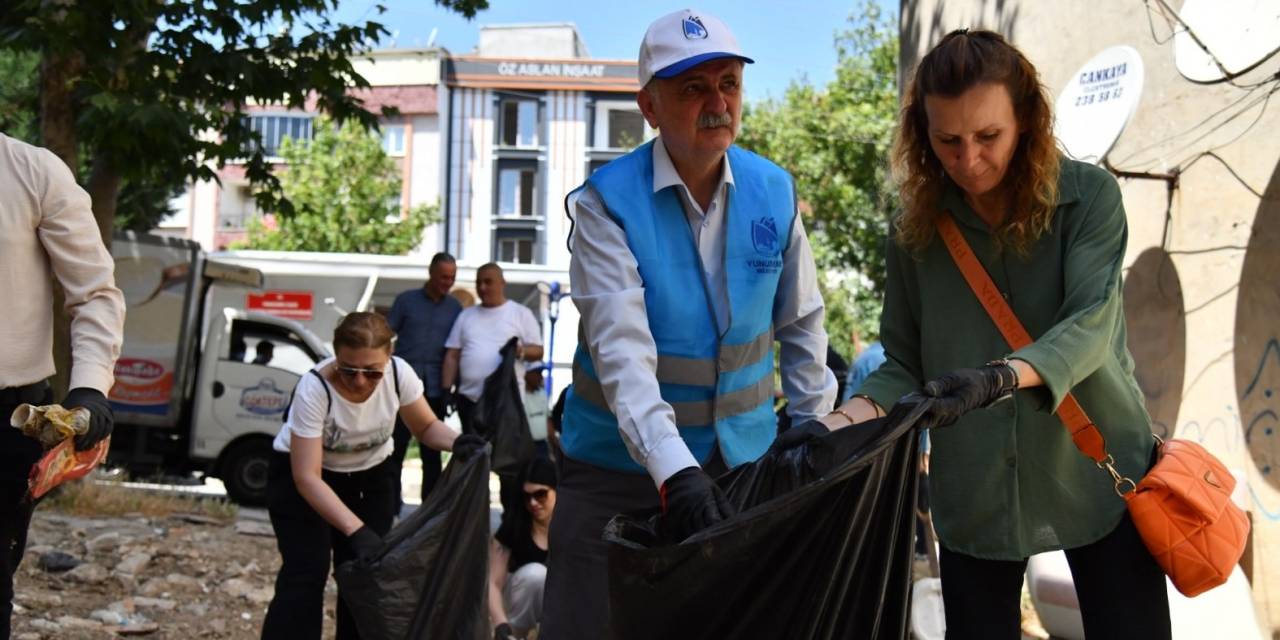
[(306, 541), (1120, 587)]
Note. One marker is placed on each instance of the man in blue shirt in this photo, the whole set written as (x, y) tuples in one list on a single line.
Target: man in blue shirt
[(422, 319)]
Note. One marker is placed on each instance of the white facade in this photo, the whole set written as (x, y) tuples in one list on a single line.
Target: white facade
[(216, 214)]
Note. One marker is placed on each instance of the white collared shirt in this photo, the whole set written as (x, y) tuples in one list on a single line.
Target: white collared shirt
[(609, 294)]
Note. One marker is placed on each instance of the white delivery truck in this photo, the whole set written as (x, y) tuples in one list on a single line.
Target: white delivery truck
[(214, 344), (200, 388)]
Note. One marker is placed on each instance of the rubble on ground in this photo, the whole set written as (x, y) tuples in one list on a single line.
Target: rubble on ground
[(185, 577)]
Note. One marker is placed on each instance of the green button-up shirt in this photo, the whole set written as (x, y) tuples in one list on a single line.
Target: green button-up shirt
[(1006, 481)]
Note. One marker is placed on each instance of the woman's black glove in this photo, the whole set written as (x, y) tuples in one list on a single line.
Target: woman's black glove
[(365, 543), (467, 445), (798, 435), (101, 419), (503, 632), (963, 390), (691, 502)]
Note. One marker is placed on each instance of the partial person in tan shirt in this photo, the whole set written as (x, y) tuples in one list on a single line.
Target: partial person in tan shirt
[(47, 230)]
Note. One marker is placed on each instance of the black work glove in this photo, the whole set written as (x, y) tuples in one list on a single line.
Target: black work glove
[(101, 419), (798, 435), (365, 543), (503, 632), (963, 390), (467, 445), (691, 502)]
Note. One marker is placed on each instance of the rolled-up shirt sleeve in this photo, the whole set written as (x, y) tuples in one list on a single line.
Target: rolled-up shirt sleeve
[(86, 271), (609, 295), (798, 314)]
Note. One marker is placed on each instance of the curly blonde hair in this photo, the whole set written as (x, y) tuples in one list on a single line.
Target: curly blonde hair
[(961, 61)]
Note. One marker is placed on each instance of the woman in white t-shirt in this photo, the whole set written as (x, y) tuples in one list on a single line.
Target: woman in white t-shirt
[(331, 487)]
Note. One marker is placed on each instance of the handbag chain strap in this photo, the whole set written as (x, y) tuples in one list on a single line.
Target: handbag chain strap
[(1084, 433)]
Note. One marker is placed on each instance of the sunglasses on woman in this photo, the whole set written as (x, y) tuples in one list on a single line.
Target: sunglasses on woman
[(539, 496), (352, 372)]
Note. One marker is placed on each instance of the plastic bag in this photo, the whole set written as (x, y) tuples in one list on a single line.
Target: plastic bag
[(821, 546), (500, 416), (430, 579), (55, 427)]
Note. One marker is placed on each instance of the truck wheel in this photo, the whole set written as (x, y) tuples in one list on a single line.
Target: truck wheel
[(244, 472)]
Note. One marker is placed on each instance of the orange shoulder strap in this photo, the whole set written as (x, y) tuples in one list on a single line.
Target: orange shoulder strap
[(1084, 433)]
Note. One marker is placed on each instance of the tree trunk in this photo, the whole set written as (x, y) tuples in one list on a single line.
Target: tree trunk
[(58, 74), (104, 190)]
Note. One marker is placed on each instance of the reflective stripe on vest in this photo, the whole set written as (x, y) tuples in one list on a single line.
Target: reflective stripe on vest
[(695, 372)]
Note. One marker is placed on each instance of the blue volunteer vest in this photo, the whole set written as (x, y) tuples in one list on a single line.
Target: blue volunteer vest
[(720, 386)]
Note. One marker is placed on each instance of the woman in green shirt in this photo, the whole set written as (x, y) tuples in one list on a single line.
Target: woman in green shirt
[(976, 139)]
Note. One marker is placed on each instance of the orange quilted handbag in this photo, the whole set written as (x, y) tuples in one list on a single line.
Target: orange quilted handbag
[(1182, 508)]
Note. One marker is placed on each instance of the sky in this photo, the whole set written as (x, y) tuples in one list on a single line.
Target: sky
[(788, 40)]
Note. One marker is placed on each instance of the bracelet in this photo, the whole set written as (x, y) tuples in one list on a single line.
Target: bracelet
[(875, 407), (1013, 371), (841, 412)]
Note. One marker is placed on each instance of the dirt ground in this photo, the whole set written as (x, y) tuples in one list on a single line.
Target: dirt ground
[(176, 576)]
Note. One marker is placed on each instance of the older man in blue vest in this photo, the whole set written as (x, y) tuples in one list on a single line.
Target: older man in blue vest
[(689, 262)]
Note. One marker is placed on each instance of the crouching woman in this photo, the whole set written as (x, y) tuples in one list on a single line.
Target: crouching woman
[(331, 486)]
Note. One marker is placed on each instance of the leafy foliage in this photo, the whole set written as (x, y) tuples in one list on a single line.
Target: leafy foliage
[(148, 79), (19, 95), (835, 141), (345, 192)]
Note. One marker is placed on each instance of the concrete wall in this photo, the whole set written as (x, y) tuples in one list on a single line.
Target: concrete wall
[(397, 67), (531, 41), (1203, 286)]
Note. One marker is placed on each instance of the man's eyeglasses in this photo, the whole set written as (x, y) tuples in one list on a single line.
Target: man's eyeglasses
[(538, 496), (352, 372)]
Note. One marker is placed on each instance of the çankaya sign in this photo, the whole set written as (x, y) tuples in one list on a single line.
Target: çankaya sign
[(1095, 106)]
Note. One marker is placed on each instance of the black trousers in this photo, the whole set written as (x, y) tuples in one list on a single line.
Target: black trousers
[(430, 457), (1120, 587), (306, 542), (575, 603), (17, 455)]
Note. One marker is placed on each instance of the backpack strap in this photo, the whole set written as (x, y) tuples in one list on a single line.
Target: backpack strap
[(395, 376), (327, 394)]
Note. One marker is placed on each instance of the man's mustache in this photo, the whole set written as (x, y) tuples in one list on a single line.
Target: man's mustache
[(712, 121)]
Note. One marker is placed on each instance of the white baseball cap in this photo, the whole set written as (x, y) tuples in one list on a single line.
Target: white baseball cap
[(682, 40)]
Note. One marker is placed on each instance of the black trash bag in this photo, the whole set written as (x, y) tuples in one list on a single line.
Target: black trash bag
[(431, 578), (500, 416), (821, 546)]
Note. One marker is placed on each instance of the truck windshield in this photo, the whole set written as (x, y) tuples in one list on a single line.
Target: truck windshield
[(271, 346)]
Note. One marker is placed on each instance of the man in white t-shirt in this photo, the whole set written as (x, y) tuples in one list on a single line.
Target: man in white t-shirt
[(472, 350)]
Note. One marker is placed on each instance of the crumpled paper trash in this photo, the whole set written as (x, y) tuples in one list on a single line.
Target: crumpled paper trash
[(51, 423), (55, 427)]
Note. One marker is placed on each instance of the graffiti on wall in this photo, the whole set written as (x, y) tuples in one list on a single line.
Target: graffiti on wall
[(1257, 351)]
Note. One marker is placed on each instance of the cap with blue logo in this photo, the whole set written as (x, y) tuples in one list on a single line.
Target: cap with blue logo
[(682, 40)]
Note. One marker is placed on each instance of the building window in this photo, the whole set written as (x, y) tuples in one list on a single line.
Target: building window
[(619, 125), (519, 123), (626, 129), (393, 139), (515, 245), (517, 191), (238, 207), (275, 128)]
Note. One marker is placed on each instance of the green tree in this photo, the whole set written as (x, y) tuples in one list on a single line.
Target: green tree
[(129, 91), (835, 140), (345, 192)]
